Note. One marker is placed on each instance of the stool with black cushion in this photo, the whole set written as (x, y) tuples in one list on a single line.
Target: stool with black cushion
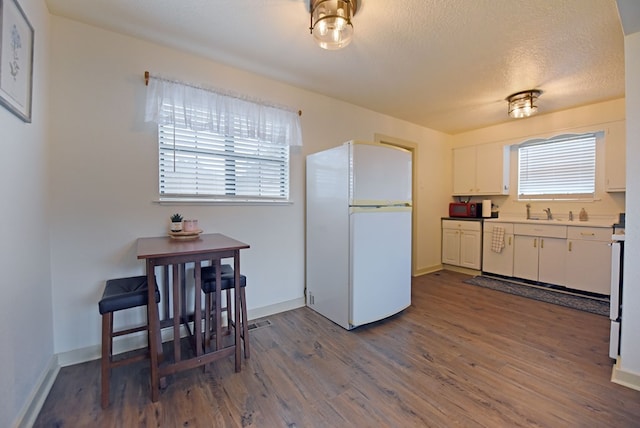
[(227, 275), (120, 294)]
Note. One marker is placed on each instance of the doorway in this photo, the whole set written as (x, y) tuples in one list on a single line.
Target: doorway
[(413, 148)]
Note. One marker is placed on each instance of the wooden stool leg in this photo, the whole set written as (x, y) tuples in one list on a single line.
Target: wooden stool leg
[(107, 343), (228, 309), (207, 320), (245, 324)]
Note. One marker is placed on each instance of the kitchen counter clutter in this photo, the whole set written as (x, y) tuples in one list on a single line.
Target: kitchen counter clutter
[(571, 254)]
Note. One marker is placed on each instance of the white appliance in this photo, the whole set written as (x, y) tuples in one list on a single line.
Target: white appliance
[(359, 232), (615, 312)]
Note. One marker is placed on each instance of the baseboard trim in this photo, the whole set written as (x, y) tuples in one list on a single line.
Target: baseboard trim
[(29, 413), (625, 378), (461, 269), (428, 270), (265, 311), (137, 341)]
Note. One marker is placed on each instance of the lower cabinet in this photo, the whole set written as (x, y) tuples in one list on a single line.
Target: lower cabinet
[(589, 259), (576, 257), (539, 253), (498, 259), (462, 243)]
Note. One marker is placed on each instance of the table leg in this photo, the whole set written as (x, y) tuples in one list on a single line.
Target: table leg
[(218, 311), (236, 309), (197, 316), (165, 289), (154, 331), (176, 313)]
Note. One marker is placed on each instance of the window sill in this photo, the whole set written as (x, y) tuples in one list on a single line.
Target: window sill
[(218, 201)]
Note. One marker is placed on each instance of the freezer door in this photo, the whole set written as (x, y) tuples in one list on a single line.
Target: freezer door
[(380, 175), (380, 263)]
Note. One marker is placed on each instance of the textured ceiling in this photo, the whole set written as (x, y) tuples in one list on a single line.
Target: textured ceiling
[(443, 64)]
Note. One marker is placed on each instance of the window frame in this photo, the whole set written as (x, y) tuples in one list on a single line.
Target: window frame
[(225, 157), (560, 195)]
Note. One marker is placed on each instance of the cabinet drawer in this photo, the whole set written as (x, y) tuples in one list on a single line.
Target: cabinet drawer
[(489, 225), (541, 230), (462, 225), (590, 233)]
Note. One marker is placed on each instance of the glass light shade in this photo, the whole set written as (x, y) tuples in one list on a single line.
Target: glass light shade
[(331, 23), (522, 104)]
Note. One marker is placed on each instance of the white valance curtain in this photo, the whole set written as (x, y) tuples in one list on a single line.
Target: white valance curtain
[(184, 105)]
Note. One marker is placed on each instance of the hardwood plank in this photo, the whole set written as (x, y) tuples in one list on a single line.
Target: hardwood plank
[(461, 355)]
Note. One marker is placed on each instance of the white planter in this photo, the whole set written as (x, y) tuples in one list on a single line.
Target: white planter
[(176, 226)]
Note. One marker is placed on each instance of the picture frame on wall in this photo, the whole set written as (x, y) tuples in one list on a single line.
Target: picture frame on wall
[(16, 60)]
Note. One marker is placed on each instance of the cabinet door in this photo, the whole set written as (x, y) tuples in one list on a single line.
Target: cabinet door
[(450, 246), (499, 263), (552, 260), (615, 155), (490, 170), (464, 171), (470, 249), (525, 257), (589, 266)]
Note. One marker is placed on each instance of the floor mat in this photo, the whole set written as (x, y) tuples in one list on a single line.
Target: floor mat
[(593, 305)]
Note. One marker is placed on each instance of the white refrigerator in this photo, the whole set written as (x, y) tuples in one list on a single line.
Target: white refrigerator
[(358, 236)]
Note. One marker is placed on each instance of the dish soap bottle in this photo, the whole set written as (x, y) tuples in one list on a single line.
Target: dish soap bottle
[(583, 215)]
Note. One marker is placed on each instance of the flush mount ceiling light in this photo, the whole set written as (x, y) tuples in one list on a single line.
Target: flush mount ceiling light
[(522, 104), (331, 22)]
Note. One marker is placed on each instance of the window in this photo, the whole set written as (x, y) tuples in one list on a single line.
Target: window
[(214, 146), (558, 168), (203, 164)]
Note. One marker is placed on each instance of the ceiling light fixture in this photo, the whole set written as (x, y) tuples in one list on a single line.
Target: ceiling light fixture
[(522, 104), (331, 22)]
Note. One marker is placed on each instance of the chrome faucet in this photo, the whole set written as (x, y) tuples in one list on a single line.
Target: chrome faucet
[(528, 211), (549, 215)]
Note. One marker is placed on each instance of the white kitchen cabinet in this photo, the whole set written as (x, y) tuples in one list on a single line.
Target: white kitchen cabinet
[(539, 253), (552, 260), (500, 263), (481, 170), (525, 257), (462, 243), (589, 259), (615, 157)]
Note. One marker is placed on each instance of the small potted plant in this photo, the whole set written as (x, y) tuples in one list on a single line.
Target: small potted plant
[(176, 223)]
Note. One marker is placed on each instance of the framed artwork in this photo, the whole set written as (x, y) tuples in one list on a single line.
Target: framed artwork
[(16, 59)]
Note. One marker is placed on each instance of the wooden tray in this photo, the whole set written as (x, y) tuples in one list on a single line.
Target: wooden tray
[(185, 235)]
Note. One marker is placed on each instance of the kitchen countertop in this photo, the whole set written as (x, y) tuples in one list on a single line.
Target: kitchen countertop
[(464, 218), (557, 222)]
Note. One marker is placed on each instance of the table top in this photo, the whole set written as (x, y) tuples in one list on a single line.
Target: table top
[(164, 246)]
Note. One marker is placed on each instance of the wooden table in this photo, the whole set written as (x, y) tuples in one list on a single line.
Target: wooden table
[(165, 252)]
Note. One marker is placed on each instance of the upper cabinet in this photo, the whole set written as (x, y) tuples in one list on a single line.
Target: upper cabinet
[(615, 158), (481, 170)]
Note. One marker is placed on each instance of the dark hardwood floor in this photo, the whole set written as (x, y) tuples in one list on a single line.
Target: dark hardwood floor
[(461, 355)]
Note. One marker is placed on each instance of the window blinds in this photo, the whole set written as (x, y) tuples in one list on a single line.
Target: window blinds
[(558, 168), (214, 146)]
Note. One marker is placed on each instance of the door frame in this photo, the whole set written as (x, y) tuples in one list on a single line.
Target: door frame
[(413, 148)]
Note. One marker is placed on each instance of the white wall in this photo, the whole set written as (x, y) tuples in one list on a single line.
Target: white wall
[(104, 175), (26, 331), (606, 116)]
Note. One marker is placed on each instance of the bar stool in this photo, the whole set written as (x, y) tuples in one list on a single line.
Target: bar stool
[(227, 277), (120, 294)]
